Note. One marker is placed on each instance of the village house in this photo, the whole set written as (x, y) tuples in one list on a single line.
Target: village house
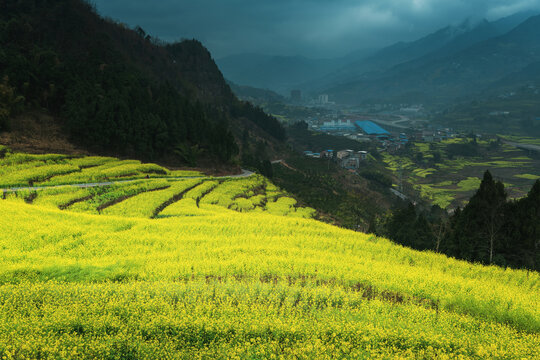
[(344, 153)]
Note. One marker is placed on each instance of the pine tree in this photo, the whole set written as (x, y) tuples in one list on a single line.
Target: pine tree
[(476, 231)]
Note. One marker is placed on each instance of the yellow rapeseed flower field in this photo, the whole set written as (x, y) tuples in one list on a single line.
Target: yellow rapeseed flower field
[(234, 268)]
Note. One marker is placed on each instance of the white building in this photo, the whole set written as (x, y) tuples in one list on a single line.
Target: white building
[(323, 99)]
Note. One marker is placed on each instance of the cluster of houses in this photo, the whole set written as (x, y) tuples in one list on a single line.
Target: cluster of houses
[(348, 159), (393, 143), (434, 135)]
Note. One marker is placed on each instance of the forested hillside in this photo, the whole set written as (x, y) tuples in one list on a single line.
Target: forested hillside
[(116, 89)]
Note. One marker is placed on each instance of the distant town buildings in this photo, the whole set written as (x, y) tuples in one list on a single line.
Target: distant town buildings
[(434, 135), (499, 113), (370, 128), (348, 159), (414, 109), (323, 99), (338, 125)]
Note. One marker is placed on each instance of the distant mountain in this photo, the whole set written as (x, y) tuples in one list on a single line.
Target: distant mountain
[(117, 90), (388, 57), (255, 95), (452, 72), (285, 73), (440, 44), (280, 73)]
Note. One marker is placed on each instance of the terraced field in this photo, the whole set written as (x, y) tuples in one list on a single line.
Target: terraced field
[(206, 268), (159, 196), (452, 181), (23, 170)]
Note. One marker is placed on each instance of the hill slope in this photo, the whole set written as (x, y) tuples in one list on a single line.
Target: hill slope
[(118, 90), (191, 278)]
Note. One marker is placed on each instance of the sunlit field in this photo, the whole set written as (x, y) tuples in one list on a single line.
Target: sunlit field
[(449, 181), (235, 268)]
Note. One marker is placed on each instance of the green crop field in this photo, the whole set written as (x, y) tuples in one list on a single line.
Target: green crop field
[(451, 180), (522, 139), (216, 268)]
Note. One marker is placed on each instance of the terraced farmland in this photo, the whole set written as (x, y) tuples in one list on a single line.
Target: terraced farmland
[(22, 170), (450, 181), (203, 268), (158, 196)]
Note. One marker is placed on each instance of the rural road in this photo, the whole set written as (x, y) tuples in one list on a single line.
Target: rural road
[(393, 123), (530, 147), (244, 174)]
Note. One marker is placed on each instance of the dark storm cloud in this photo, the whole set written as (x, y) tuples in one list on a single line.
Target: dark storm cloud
[(316, 28)]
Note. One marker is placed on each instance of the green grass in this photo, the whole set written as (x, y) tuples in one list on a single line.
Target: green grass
[(528, 176), (521, 139), (424, 172), (437, 196), (469, 184)]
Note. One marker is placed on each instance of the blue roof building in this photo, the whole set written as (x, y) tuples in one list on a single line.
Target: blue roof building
[(370, 128)]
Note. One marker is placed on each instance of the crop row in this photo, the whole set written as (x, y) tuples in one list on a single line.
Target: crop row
[(183, 247), (116, 193), (19, 169), (254, 194), (227, 320), (187, 197), (247, 285), (226, 193), (150, 204)]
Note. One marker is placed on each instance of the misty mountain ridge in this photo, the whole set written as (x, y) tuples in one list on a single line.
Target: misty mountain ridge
[(440, 44), (255, 95), (389, 56), (281, 74), (449, 74)]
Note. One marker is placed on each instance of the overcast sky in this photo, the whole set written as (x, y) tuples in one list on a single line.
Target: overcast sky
[(313, 28)]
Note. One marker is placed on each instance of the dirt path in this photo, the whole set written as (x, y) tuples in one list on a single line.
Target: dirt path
[(282, 162)]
